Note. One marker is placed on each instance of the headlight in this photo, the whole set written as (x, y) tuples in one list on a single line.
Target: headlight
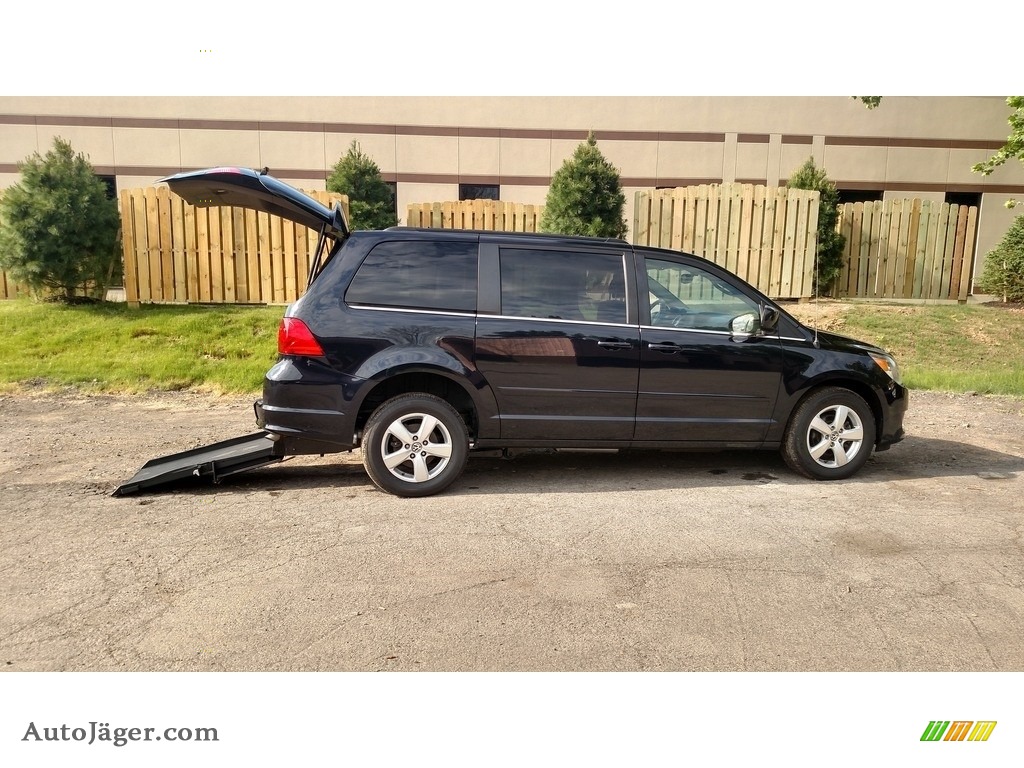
[(888, 364)]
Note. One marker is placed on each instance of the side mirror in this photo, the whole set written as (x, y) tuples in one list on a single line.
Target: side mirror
[(743, 326), (769, 318)]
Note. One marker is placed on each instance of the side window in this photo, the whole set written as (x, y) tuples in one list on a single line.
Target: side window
[(688, 297), (565, 285), (417, 275)]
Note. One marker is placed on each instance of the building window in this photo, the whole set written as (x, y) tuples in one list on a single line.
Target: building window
[(964, 198), (393, 186), (111, 182), (479, 192), (859, 195)]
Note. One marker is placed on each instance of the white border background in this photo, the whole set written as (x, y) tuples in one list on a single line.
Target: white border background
[(659, 47), (470, 720), (511, 719)]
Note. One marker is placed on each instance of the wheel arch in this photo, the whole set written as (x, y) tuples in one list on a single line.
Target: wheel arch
[(864, 390), (431, 381)]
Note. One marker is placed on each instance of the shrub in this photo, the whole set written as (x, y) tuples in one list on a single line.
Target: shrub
[(58, 228), (371, 203), (830, 242), (1003, 274), (585, 196)]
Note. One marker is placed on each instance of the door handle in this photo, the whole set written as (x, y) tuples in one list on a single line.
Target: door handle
[(614, 345), (667, 347)]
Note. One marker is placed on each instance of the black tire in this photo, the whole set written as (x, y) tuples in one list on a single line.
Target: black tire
[(431, 462), (830, 435)]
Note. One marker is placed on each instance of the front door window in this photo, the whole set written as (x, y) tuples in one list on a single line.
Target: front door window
[(687, 297)]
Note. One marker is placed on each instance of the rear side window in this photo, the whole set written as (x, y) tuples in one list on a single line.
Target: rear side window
[(418, 275), (564, 285)]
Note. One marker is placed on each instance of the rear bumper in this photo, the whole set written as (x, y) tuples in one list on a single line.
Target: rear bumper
[(326, 428), (303, 401)]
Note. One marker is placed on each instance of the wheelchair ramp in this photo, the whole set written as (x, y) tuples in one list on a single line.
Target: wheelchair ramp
[(214, 461)]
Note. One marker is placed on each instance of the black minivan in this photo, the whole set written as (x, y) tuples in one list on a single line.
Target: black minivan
[(422, 345)]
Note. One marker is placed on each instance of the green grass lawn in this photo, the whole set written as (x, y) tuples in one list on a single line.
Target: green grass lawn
[(111, 348), (952, 348)]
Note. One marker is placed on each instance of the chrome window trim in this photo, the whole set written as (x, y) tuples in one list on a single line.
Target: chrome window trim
[(560, 320), (451, 313), (708, 331), (686, 330), (445, 313)]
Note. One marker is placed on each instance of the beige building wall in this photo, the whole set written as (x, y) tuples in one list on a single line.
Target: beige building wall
[(908, 147)]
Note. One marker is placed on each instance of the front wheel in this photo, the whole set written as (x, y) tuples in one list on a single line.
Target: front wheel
[(830, 435), (415, 445)]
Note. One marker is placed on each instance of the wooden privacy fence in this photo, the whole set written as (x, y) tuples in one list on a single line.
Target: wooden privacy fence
[(476, 214), (895, 249), (9, 289), (907, 249), (177, 253), (765, 235)]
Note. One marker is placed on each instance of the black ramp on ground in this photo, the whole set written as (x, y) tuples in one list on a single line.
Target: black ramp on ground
[(216, 461)]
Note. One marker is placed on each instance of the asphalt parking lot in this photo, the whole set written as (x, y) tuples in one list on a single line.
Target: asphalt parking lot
[(639, 561)]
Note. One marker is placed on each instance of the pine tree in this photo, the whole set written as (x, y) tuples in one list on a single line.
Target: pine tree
[(58, 228), (830, 241), (1003, 274), (585, 196), (371, 203)]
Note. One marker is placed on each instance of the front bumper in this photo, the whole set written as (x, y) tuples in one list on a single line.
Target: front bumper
[(894, 408)]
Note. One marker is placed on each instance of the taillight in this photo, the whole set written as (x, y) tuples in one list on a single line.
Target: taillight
[(295, 338)]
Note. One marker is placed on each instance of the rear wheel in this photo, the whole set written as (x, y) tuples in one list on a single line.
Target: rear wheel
[(415, 445), (830, 435)]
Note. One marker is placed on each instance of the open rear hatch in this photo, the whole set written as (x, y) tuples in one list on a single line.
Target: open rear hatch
[(246, 188)]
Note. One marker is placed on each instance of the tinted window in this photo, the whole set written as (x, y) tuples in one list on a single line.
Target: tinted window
[(418, 275), (479, 192), (563, 284)]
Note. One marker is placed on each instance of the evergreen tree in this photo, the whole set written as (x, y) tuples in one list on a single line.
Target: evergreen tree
[(1003, 274), (830, 241), (371, 203), (58, 228), (585, 196)]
